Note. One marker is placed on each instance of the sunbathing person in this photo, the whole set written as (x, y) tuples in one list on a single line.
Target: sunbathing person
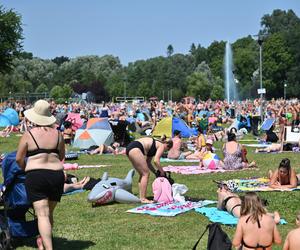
[(72, 183), (284, 177), (6, 132), (176, 152), (274, 147), (105, 149), (292, 241), (231, 202)]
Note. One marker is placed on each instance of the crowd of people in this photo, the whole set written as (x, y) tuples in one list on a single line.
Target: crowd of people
[(45, 135)]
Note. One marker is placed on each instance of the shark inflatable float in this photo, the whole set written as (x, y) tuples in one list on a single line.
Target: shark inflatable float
[(113, 189)]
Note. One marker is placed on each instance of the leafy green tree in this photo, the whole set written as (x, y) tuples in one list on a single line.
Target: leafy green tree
[(246, 61), (217, 92), (199, 54), (170, 50), (277, 61), (60, 60), (215, 55), (193, 49), (199, 85), (11, 37), (279, 21), (56, 92), (42, 88), (67, 91)]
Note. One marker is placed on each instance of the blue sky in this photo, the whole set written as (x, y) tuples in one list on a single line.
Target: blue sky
[(136, 29)]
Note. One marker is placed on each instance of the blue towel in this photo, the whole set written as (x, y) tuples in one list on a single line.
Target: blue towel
[(223, 217), (74, 192)]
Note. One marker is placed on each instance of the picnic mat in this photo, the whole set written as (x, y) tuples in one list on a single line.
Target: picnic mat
[(169, 208), (197, 170), (223, 217), (75, 166), (257, 145), (172, 160), (190, 170), (74, 192), (255, 184)]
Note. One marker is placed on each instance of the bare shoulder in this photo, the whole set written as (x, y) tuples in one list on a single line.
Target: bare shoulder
[(294, 233)]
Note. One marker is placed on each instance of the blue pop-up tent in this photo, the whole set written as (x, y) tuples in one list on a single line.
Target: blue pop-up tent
[(12, 116), (4, 121), (9, 117)]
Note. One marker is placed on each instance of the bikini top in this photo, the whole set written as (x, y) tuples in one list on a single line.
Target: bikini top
[(257, 245), (42, 150), (224, 204), (152, 150)]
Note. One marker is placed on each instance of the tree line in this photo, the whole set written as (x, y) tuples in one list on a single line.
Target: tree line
[(200, 73)]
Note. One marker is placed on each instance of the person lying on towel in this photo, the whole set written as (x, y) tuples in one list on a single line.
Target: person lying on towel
[(72, 183), (285, 176), (231, 202)]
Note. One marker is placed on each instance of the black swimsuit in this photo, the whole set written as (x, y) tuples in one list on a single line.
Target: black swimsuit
[(224, 204), (137, 144), (42, 150), (44, 183), (257, 245)]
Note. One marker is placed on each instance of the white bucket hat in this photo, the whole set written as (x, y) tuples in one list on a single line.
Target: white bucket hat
[(40, 114)]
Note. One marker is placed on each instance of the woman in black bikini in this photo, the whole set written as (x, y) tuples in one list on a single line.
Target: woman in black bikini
[(228, 201), (45, 149), (140, 153), (256, 229)]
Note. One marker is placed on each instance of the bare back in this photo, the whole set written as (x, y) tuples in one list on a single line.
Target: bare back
[(293, 240), (46, 138), (253, 235), (147, 144)]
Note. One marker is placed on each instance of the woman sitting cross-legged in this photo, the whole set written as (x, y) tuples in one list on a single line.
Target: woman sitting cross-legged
[(233, 154), (284, 177), (256, 229)]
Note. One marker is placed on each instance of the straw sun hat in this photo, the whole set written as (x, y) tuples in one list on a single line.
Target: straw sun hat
[(40, 114)]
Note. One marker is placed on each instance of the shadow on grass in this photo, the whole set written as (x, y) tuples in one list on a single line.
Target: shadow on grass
[(58, 243)]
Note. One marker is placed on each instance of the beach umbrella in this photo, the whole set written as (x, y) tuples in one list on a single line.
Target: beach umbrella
[(96, 131)]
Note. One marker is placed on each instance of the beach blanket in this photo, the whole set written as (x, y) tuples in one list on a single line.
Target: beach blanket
[(75, 166), (169, 208), (255, 185), (257, 145), (172, 160), (71, 156), (74, 192), (191, 170), (186, 170), (223, 217)]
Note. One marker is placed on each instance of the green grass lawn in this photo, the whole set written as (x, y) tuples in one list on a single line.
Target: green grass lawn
[(80, 226)]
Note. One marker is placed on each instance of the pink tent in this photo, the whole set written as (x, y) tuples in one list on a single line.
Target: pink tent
[(75, 119)]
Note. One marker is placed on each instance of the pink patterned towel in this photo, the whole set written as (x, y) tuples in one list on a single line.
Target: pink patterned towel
[(191, 170), (198, 170), (75, 166)]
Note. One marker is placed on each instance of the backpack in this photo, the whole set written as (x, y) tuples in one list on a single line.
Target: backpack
[(217, 238), (162, 190)]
